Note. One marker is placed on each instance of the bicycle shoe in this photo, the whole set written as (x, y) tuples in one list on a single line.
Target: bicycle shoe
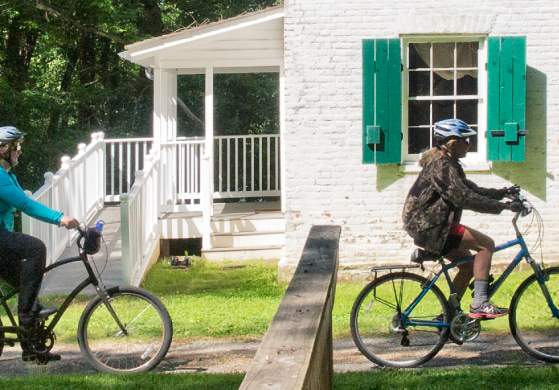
[(41, 311), (487, 311), (39, 358)]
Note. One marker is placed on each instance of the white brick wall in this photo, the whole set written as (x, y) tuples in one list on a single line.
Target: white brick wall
[(326, 182)]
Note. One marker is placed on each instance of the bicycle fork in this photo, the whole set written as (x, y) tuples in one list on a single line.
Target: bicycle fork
[(105, 298)]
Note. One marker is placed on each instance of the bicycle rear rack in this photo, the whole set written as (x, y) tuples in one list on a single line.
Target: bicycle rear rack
[(391, 267)]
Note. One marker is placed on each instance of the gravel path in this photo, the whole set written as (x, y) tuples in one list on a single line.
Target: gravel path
[(235, 356)]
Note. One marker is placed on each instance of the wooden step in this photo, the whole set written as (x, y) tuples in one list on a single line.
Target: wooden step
[(247, 239), (266, 252)]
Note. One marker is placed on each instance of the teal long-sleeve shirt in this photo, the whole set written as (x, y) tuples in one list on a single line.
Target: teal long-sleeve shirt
[(12, 197)]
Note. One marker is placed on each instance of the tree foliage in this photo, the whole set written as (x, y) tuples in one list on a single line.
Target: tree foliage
[(61, 77)]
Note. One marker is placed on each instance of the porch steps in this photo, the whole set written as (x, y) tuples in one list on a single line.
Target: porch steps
[(267, 252), (247, 239), (257, 234), (239, 231)]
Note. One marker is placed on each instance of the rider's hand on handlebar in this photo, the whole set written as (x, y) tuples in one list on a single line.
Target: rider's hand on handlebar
[(514, 190), (69, 222), (515, 206)]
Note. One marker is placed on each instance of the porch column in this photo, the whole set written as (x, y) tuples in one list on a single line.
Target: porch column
[(165, 130), (208, 174), (282, 136), (164, 105)]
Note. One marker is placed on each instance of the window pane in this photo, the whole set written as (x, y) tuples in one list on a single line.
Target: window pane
[(466, 83), (418, 139), (442, 109), (419, 83), (419, 55), (467, 111), (473, 141), (418, 112), (443, 83), (466, 53), (443, 55)]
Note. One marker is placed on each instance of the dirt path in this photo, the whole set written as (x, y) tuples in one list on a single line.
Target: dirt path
[(229, 356)]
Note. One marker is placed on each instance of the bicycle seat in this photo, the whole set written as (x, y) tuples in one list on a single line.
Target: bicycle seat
[(420, 255)]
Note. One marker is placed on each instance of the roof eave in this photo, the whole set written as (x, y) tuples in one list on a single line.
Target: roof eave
[(140, 51)]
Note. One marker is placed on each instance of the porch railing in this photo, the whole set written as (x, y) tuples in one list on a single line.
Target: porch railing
[(106, 169), (246, 166), (77, 188), (185, 165), (139, 213), (124, 157)]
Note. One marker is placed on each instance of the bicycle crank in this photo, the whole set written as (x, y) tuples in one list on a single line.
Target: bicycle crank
[(464, 328)]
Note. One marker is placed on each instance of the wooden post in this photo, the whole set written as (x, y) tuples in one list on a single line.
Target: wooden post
[(296, 352), (126, 242), (208, 159)]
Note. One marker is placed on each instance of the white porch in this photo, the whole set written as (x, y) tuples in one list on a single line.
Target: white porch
[(170, 187)]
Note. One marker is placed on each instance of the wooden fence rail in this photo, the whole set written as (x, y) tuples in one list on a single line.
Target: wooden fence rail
[(296, 352)]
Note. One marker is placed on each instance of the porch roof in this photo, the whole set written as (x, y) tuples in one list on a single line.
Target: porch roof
[(250, 40)]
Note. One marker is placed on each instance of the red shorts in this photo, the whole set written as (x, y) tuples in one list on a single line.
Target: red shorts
[(454, 238)]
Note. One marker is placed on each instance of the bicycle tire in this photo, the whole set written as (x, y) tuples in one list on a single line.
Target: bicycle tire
[(536, 333), (97, 321), (383, 355), (2, 334)]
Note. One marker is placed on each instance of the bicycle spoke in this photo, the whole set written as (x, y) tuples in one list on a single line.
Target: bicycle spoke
[(138, 346), (381, 333)]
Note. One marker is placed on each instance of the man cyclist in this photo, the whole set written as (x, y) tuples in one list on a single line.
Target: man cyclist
[(434, 206), (23, 257)]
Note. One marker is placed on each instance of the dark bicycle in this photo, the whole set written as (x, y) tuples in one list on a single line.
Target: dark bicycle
[(402, 319), (122, 329)]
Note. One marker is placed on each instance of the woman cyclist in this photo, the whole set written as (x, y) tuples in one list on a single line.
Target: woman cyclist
[(22, 257), (434, 206)]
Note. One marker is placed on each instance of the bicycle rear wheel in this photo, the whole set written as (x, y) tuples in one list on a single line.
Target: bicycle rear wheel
[(141, 343), (531, 321), (384, 336)]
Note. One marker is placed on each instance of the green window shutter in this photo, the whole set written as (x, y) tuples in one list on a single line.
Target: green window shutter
[(382, 101), (506, 100)]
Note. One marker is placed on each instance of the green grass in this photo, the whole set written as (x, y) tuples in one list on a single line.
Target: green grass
[(438, 378), (210, 300)]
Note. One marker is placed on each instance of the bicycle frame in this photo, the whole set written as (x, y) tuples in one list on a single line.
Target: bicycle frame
[(523, 253), (91, 279)]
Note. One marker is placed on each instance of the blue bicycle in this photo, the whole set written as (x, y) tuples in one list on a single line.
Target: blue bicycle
[(402, 319)]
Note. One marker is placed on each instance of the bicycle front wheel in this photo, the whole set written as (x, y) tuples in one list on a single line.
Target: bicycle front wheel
[(388, 337), (131, 332), (531, 320)]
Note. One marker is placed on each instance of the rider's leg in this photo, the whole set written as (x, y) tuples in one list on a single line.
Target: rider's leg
[(484, 246), (465, 271), (27, 257)]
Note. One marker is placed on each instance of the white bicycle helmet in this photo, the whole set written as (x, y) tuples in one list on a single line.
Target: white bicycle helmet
[(452, 128), (10, 134)]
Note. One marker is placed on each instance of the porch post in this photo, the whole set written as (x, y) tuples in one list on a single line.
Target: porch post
[(165, 130), (282, 136), (207, 194)]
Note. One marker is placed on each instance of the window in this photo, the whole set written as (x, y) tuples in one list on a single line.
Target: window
[(443, 78), (410, 83)]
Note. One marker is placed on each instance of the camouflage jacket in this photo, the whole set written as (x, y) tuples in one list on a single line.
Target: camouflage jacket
[(437, 198)]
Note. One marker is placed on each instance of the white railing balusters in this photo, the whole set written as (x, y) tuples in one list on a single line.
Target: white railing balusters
[(252, 164), (76, 189), (276, 161), (126, 156), (139, 220)]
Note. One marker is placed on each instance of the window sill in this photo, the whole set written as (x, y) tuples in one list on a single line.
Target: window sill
[(413, 167)]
